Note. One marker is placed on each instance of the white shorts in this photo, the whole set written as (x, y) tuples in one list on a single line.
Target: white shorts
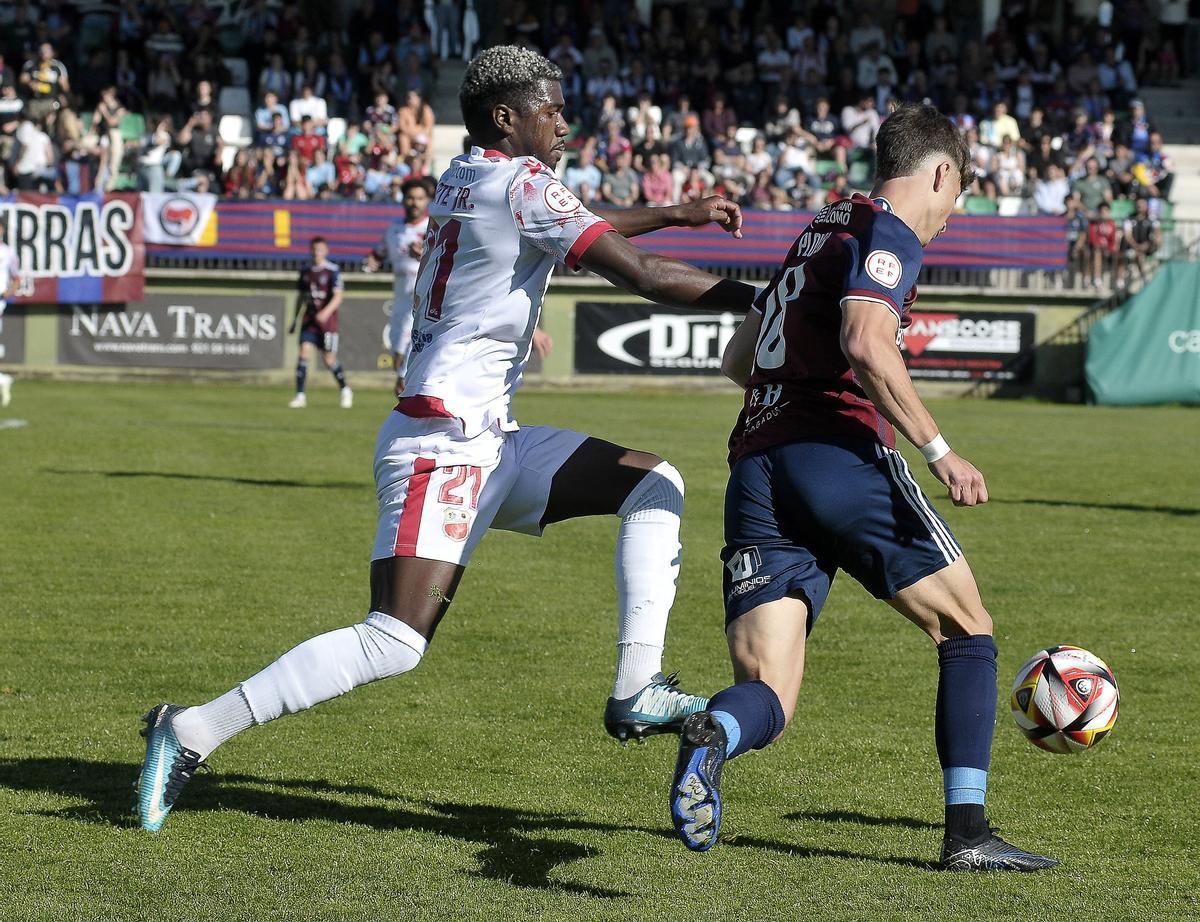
[(439, 491)]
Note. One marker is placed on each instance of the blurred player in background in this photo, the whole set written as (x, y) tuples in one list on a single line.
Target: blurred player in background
[(452, 462), (319, 300), (402, 246), (816, 484), (10, 279)]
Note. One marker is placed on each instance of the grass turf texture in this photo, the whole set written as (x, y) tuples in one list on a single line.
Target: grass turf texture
[(162, 542)]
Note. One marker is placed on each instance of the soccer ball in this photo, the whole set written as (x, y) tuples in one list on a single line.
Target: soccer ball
[(1065, 699)]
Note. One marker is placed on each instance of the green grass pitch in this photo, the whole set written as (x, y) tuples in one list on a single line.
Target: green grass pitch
[(162, 542)]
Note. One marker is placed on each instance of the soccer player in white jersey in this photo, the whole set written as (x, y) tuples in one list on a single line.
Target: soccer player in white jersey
[(10, 279), (402, 246), (451, 462)]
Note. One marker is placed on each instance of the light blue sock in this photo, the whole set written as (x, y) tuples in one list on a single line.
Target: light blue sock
[(964, 785), (733, 729)]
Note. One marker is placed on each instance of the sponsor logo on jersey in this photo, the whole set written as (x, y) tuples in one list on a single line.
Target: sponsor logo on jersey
[(420, 341), (560, 199), (456, 523), (749, 585), (884, 267), (744, 564)]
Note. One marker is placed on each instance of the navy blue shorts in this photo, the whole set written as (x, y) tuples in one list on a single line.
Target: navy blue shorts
[(326, 342), (796, 513)]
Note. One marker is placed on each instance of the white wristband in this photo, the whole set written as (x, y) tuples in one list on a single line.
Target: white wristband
[(937, 449)]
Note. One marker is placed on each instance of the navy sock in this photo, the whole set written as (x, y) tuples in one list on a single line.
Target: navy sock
[(301, 375), (339, 374), (751, 714), (964, 723)]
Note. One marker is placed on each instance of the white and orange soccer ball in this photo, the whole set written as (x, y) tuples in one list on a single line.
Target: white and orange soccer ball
[(1064, 699)]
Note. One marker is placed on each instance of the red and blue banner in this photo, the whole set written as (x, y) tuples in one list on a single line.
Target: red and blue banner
[(82, 249), (281, 230)]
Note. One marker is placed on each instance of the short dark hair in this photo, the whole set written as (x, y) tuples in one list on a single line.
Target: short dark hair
[(318, 239), (911, 134), (502, 75), (416, 182)]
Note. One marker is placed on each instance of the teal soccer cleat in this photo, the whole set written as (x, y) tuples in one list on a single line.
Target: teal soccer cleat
[(660, 707), (696, 787), (167, 768)]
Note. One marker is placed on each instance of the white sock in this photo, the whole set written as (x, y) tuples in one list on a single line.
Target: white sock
[(647, 566), (321, 668)]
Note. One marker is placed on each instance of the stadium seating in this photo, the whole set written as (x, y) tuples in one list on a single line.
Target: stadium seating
[(235, 100)]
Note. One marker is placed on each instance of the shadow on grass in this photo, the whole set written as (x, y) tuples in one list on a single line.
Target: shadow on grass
[(1112, 507), (249, 481), (515, 847), (862, 819)]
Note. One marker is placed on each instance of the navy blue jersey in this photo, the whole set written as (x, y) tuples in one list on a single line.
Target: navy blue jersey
[(801, 384), (317, 285)]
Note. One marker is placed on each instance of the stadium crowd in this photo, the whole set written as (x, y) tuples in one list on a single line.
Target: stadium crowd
[(775, 110)]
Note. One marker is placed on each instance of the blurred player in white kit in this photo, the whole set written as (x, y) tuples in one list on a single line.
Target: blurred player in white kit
[(10, 279)]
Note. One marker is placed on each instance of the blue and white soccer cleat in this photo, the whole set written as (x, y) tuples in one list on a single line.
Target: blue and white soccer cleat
[(990, 854), (696, 787), (660, 707), (167, 768)]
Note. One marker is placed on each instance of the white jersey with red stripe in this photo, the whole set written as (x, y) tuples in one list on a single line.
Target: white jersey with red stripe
[(497, 226), (398, 244)]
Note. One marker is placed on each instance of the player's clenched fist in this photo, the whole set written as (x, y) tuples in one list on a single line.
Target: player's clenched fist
[(712, 210), (962, 480)]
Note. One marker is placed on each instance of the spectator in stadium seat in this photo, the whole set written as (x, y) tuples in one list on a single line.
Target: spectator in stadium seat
[(340, 98), (1078, 260), (773, 62), (295, 178), (308, 105), (264, 115), (45, 80), (609, 114), (1043, 156), (238, 181), (1080, 139), (583, 177), (413, 118), (277, 140), (961, 114), (564, 48), (759, 159), (645, 113), (572, 87), (275, 78), (622, 186), (1104, 240), (158, 161), (35, 165), (658, 185), (1135, 130), (1058, 104), (782, 119), (1095, 102), (1119, 170), (106, 123), (824, 133), (1050, 192), (690, 150), (1093, 187), (604, 82), (12, 113), (1001, 125), (1009, 168), (650, 146), (164, 41), (77, 149), (866, 33), (310, 74), (861, 123), (321, 175), (697, 183), (1159, 174), (598, 49), (794, 161), (1081, 73), (611, 146), (1142, 237), (869, 65), (201, 145), (381, 112), (307, 142)]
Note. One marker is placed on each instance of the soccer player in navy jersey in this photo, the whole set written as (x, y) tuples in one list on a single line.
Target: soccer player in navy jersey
[(816, 484), (320, 297)]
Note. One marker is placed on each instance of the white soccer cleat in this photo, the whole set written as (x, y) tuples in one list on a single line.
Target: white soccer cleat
[(5, 390), (347, 398), (299, 402)]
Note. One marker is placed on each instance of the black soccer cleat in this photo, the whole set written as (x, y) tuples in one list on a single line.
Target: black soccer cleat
[(990, 853), (660, 707), (696, 787)]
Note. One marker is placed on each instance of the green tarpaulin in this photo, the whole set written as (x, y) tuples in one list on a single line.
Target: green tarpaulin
[(1149, 350)]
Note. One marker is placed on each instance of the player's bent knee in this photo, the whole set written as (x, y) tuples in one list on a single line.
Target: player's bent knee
[(662, 488), (390, 646)]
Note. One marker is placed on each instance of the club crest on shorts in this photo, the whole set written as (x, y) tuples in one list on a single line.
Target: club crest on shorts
[(456, 523)]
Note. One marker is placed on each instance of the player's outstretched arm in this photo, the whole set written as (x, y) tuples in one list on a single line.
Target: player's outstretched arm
[(630, 222), (662, 279), (868, 339)]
